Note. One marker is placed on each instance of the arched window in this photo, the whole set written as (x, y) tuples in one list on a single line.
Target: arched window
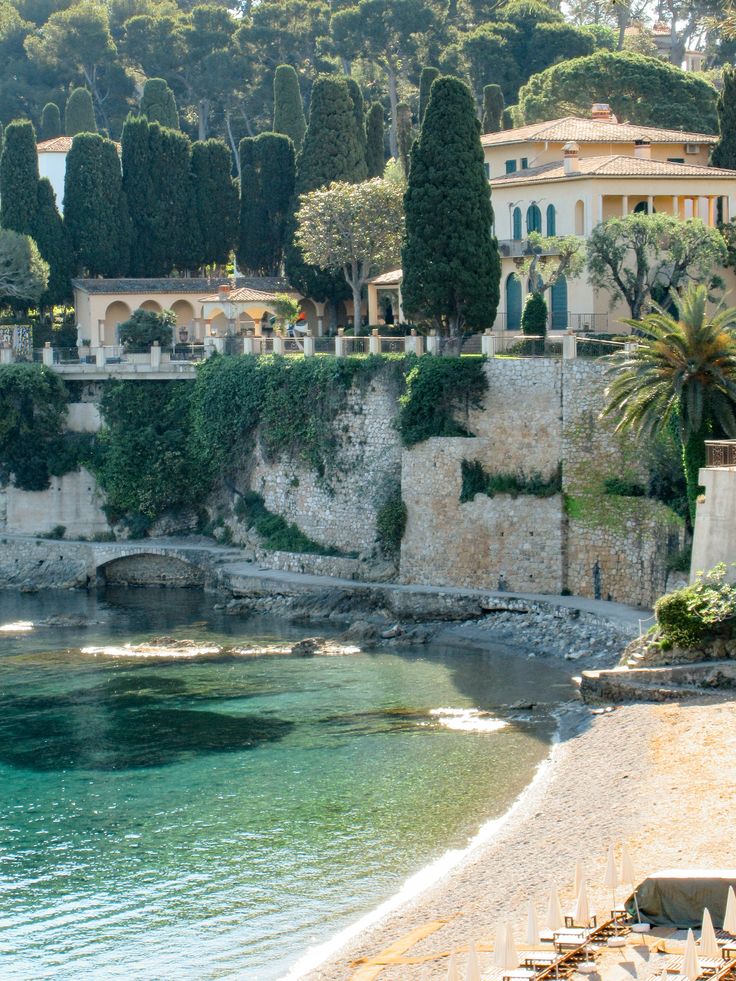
[(551, 220), (533, 219), (642, 208), (558, 303), (580, 217), (516, 230), (513, 302)]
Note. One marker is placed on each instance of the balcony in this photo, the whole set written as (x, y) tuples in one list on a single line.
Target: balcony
[(720, 453), (518, 248)]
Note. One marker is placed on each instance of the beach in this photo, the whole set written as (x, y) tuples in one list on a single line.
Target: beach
[(661, 778)]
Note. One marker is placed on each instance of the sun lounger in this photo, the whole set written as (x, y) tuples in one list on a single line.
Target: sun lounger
[(708, 965), (571, 938)]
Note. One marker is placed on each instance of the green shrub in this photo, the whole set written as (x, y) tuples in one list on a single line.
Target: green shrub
[(705, 609), (534, 315), (680, 561), (56, 533), (277, 534), (620, 487), (391, 524), (477, 480), (145, 327), (437, 389)]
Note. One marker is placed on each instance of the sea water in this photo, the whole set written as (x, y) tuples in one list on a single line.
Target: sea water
[(211, 814)]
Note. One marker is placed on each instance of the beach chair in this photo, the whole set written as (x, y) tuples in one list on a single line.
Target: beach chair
[(708, 965)]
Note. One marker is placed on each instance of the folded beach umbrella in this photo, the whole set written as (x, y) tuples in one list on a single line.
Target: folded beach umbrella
[(729, 920), (512, 954), (582, 909), (690, 962), (452, 971), (532, 927), (555, 918), (472, 971), (579, 876), (499, 948), (708, 943)]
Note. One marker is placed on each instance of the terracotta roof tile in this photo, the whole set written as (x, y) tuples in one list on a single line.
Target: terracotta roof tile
[(391, 278), (268, 284), (59, 144), (611, 165), (243, 295), (591, 131)]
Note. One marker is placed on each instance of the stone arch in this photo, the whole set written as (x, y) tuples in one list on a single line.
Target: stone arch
[(218, 323), (580, 217), (150, 569), (152, 305), (117, 313), (533, 219), (184, 312)]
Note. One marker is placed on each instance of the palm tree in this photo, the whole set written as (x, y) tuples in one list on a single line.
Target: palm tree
[(682, 367)]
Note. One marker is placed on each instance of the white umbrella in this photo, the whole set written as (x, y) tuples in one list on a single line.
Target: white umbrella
[(628, 877), (579, 876), (708, 943), (690, 962), (452, 972), (582, 909), (555, 917), (610, 881), (512, 954), (729, 920), (472, 971), (532, 927), (499, 948)]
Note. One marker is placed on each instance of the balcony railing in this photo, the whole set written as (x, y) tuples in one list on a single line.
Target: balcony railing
[(517, 248), (720, 453)]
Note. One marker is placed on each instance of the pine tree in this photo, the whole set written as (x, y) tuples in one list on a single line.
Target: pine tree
[(425, 84), (95, 207), (356, 94), (266, 195), (724, 152), (375, 153), (331, 152), (493, 107), (54, 245), (79, 115), (50, 126), (158, 104), (288, 111), (216, 200), (450, 260), (405, 133), (19, 178)]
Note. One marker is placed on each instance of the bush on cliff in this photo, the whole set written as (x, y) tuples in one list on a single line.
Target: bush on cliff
[(438, 390), (703, 610)]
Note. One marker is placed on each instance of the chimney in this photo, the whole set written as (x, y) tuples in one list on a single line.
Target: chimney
[(601, 111), (643, 149), (571, 155), (223, 291)]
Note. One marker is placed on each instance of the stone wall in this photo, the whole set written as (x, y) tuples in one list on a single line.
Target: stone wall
[(340, 508), (151, 570), (36, 564), (73, 501)]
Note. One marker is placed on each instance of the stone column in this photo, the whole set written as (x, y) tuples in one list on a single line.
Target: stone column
[(433, 343), (6, 355), (650, 204), (278, 344), (308, 346), (219, 343), (418, 343), (413, 343), (487, 344), (99, 357), (48, 354), (569, 346), (155, 355), (251, 345), (340, 344), (624, 205), (374, 342), (209, 347), (675, 206)]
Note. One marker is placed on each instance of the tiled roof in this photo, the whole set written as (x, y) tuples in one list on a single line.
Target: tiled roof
[(392, 278), (268, 284), (59, 144), (243, 295), (611, 165), (591, 131)]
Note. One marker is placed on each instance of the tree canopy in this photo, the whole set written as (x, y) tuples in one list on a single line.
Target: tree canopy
[(23, 273), (158, 104), (266, 197)]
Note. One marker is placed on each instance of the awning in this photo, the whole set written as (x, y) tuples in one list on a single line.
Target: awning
[(677, 897)]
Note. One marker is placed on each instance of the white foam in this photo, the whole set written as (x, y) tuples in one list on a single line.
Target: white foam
[(145, 650), (467, 720), (430, 875), (20, 626)]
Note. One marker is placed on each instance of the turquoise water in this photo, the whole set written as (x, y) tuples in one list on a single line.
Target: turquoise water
[(214, 817)]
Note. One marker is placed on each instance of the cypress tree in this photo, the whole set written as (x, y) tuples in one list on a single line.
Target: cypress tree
[(288, 111), (267, 174), (331, 152), (375, 153), (356, 95), (139, 191), (95, 207), (19, 178), (50, 126), (2, 137), (79, 115), (450, 260), (216, 200), (158, 104), (425, 84), (724, 152), (405, 134), (507, 120), (54, 245), (175, 233), (493, 107)]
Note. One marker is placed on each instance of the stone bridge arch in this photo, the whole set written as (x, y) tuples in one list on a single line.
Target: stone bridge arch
[(150, 568)]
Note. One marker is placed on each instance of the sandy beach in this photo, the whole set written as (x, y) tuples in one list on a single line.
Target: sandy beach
[(662, 778)]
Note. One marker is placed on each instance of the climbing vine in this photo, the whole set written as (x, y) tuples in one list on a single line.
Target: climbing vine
[(440, 392)]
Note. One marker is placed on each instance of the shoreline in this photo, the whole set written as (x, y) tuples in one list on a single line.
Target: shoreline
[(621, 776), (429, 875)]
